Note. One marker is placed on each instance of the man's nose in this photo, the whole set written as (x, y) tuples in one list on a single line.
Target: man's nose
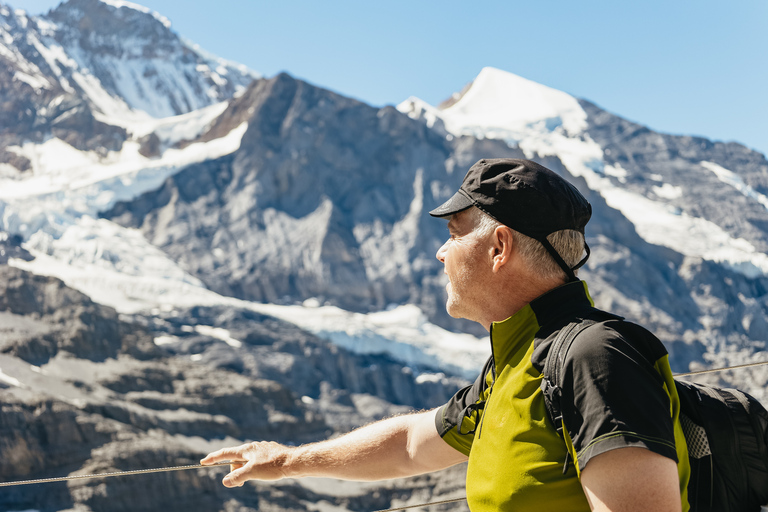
[(441, 252)]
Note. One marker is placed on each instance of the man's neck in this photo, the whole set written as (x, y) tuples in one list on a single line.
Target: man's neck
[(514, 294)]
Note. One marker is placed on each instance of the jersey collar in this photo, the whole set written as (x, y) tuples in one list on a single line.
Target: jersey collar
[(510, 335)]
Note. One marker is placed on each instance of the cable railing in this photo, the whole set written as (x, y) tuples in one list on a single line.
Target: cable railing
[(395, 509)]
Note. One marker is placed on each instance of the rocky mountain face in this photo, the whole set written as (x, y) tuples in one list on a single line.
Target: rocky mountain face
[(652, 158), (98, 392), (88, 69), (326, 198), (719, 303), (35, 102), (134, 56)]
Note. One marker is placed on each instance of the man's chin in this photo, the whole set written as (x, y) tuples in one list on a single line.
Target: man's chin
[(452, 310)]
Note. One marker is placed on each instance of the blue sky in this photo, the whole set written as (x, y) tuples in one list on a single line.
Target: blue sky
[(683, 67)]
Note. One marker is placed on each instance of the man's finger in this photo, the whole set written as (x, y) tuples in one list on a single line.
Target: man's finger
[(228, 454), (237, 477)]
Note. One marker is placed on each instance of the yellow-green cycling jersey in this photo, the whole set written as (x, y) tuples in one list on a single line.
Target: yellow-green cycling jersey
[(622, 394)]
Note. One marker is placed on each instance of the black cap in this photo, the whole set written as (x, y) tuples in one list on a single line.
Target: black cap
[(525, 196)]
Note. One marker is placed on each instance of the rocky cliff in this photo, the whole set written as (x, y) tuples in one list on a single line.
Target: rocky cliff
[(94, 392), (326, 198)]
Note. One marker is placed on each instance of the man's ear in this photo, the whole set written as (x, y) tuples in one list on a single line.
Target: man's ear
[(501, 248)]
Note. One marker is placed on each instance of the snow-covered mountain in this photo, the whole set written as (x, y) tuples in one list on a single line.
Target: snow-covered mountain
[(96, 74), (275, 229), (666, 198), (286, 192), (85, 125), (659, 199), (704, 201)]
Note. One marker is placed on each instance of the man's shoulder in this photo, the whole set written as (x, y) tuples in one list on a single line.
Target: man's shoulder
[(603, 339), (596, 335)]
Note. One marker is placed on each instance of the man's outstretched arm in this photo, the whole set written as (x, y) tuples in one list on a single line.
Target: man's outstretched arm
[(392, 448)]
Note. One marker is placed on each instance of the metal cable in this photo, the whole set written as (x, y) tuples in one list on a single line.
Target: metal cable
[(182, 468), (454, 500), (114, 473), (714, 370)]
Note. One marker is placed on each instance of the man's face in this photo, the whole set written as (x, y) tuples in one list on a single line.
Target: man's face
[(467, 263)]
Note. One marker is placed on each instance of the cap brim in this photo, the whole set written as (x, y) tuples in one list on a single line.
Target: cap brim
[(455, 204)]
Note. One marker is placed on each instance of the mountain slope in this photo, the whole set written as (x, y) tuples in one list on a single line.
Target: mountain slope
[(94, 74), (672, 247), (268, 252), (317, 196), (136, 58), (326, 197), (85, 391)]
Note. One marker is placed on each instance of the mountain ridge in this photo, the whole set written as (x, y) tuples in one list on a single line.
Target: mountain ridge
[(264, 265), (90, 73)]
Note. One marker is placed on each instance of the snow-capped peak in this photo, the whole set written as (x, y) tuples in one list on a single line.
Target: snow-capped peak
[(136, 7), (129, 59), (416, 108), (510, 105), (543, 121)]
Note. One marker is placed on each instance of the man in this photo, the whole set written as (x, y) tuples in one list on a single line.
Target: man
[(516, 241)]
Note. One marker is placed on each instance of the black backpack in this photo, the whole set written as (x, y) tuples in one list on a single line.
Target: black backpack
[(726, 431)]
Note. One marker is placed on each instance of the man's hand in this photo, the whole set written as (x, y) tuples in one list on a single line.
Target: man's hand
[(632, 480), (260, 460)]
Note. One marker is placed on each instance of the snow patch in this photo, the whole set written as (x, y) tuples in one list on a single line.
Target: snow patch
[(9, 380), (402, 332), (165, 340), (732, 179), (617, 171), (113, 265), (182, 127), (667, 226), (65, 180), (667, 191), (430, 377), (416, 108), (53, 54), (21, 17), (38, 83), (504, 105), (113, 110), (218, 333)]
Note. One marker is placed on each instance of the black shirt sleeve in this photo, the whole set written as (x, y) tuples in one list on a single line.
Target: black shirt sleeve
[(456, 421), (618, 397)]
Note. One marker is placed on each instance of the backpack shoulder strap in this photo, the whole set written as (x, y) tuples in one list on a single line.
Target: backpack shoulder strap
[(551, 383), (552, 373)]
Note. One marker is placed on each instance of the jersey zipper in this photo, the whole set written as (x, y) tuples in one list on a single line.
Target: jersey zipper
[(490, 389)]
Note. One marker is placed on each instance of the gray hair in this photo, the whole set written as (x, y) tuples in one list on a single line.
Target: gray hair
[(569, 243)]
